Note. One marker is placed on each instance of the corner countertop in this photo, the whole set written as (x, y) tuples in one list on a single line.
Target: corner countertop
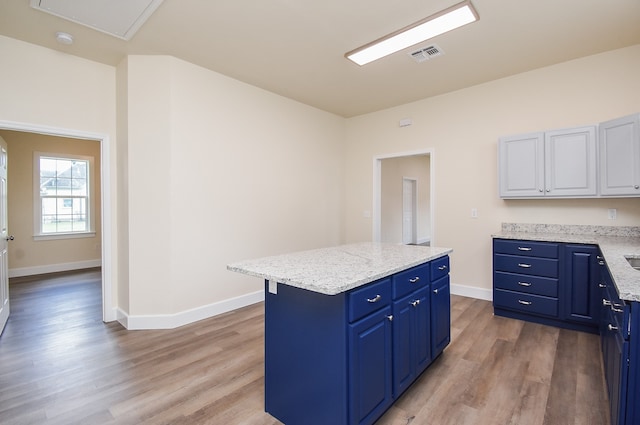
[(338, 269), (616, 243)]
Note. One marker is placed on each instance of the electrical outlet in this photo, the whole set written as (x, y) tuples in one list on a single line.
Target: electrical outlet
[(474, 213), (613, 213)]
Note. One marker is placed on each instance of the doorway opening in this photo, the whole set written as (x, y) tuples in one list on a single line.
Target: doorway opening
[(404, 198), (108, 313)]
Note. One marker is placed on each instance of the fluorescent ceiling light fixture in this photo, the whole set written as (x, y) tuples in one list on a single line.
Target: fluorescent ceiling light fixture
[(454, 17)]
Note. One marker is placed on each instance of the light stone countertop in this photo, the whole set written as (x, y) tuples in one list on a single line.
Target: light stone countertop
[(338, 269), (616, 244)]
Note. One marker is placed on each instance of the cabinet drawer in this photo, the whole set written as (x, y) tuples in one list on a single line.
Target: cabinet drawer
[(369, 298), (524, 283), (526, 248), (439, 268), (526, 265), (410, 280), (526, 303)]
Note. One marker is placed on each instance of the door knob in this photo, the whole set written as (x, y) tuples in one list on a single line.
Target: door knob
[(10, 238)]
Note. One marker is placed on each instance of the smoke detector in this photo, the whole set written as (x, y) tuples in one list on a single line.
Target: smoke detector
[(425, 53)]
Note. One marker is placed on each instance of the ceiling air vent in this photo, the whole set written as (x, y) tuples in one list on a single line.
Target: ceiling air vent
[(426, 53)]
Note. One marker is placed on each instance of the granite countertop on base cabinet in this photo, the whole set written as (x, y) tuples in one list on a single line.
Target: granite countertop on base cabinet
[(338, 269), (617, 243)]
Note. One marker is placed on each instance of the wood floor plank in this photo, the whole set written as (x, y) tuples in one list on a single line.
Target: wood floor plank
[(60, 365)]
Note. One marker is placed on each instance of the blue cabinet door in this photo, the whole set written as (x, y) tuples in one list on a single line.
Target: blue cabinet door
[(615, 355), (411, 339), (370, 367), (440, 315), (581, 277)]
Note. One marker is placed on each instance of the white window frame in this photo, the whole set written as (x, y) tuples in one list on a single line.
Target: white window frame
[(37, 200)]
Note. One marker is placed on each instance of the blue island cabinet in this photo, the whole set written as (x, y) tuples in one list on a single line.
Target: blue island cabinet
[(343, 359)]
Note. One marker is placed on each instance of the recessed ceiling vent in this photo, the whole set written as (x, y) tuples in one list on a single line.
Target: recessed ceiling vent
[(426, 53)]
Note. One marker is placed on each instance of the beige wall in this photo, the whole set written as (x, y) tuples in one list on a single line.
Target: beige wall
[(57, 92), (463, 127), (24, 252), (220, 171), (393, 171), (206, 170)]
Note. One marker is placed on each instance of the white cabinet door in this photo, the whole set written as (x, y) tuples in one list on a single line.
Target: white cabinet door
[(620, 156), (521, 166), (570, 162)]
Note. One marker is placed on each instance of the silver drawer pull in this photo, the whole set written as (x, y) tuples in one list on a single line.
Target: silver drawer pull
[(414, 280), (415, 303), (442, 268), (523, 248), (602, 285), (374, 300), (616, 310), (524, 284), (601, 263), (606, 302), (524, 266), (611, 327), (435, 291), (525, 302), (390, 317)]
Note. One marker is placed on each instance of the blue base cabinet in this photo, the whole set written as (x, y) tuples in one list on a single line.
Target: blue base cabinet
[(569, 286), (344, 359), (619, 336), (546, 282)]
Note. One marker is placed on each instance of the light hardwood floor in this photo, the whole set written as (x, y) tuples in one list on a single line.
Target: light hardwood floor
[(59, 364)]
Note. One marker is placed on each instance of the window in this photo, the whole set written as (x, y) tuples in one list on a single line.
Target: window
[(62, 198)]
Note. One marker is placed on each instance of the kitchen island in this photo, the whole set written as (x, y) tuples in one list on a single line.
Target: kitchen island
[(349, 328)]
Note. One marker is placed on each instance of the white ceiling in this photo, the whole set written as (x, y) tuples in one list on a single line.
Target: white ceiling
[(295, 47)]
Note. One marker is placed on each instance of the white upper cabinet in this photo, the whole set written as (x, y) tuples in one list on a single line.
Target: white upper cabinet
[(559, 163), (521, 166), (619, 141), (570, 162)]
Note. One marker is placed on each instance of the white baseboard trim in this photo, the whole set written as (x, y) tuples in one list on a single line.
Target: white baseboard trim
[(54, 268), (171, 321), (472, 292)]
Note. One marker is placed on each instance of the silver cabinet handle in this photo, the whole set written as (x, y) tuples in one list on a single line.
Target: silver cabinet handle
[(390, 317), (606, 302), (636, 187), (442, 268), (601, 263), (524, 266), (415, 303), (525, 302), (415, 279), (374, 300), (523, 248), (611, 327), (524, 284), (435, 291), (602, 285), (616, 310)]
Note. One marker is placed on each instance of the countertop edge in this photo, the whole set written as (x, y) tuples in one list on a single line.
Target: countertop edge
[(312, 283)]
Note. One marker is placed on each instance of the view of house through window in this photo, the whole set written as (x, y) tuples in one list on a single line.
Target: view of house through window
[(64, 195)]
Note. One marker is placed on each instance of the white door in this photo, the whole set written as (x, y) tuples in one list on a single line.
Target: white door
[(4, 238), (409, 228)]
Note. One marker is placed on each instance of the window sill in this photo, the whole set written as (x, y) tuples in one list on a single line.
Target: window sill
[(77, 235)]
